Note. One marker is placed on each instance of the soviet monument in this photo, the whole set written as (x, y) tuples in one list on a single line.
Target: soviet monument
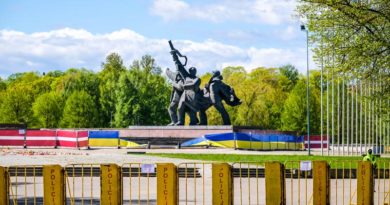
[(188, 97)]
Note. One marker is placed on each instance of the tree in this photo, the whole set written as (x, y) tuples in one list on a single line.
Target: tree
[(16, 106), (294, 115), (109, 76), (291, 74), (351, 37), (3, 85), (79, 111), (77, 80), (142, 96), (47, 109)]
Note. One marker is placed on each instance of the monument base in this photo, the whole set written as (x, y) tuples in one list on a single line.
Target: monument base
[(174, 135), (169, 135)]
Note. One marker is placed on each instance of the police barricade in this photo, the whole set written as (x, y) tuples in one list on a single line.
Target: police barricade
[(381, 184), (196, 182), (25, 184), (82, 183), (249, 182), (293, 182), (139, 183), (343, 178), (298, 182)]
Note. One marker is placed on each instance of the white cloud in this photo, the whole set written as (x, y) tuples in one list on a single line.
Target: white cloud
[(254, 11), (66, 48), (289, 33)]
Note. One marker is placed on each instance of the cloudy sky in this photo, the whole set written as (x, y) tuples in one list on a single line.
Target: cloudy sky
[(43, 35)]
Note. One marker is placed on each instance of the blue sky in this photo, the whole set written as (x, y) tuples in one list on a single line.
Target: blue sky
[(44, 35)]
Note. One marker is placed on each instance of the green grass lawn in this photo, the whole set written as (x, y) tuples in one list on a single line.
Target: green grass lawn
[(335, 161)]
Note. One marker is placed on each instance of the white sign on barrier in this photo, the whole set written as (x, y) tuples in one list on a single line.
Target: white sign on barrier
[(147, 168), (305, 166), (22, 132)]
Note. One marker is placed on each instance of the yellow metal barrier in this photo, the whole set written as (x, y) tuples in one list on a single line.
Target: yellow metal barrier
[(54, 186), (25, 184), (275, 183), (365, 182), (111, 184), (4, 186), (299, 183), (82, 183), (167, 184), (195, 183), (249, 183), (321, 183), (139, 183), (381, 182), (347, 182), (222, 184), (343, 182)]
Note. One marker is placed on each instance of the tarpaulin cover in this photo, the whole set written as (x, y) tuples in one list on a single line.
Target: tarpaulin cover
[(41, 138), (11, 137), (72, 138), (108, 138), (250, 141)]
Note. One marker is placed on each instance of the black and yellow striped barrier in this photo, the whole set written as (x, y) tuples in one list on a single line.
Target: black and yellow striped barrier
[(198, 183)]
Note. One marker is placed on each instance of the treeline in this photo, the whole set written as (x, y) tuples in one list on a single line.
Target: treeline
[(119, 96)]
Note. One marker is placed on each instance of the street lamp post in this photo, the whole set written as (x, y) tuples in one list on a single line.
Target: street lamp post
[(303, 28)]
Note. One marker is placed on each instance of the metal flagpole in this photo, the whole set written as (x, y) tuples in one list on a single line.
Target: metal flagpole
[(348, 118), (338, 116), (368, 115), (327, 111), (332, 112), (357, 117), (352, 120), (380, 117), (376, 117), (361, 117), (388, 124), (365, 116), (343, 113), (322, 114), (372, 117)]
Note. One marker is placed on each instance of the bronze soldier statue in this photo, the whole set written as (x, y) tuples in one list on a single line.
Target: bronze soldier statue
[(188, 97), (177, 91)]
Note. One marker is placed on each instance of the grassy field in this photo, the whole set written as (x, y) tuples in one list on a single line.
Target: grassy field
[(335, 161)]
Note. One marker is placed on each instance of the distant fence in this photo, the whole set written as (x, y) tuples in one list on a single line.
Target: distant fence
[(44, 138), (106, 138), (316, 141), (63, 138), (292, 182)]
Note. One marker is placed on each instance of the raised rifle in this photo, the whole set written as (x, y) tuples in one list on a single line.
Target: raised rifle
[(177, 52)]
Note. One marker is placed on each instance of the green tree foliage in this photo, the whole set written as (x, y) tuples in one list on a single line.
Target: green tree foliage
[(79, 111), (109, 76), (16, 105), (292, 75), (77, 80), (294, 115), (142, 96), (48, 109), (3, 85), (350, 36)]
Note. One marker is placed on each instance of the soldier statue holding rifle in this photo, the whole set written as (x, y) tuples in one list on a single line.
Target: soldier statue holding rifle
[(187, 97)]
